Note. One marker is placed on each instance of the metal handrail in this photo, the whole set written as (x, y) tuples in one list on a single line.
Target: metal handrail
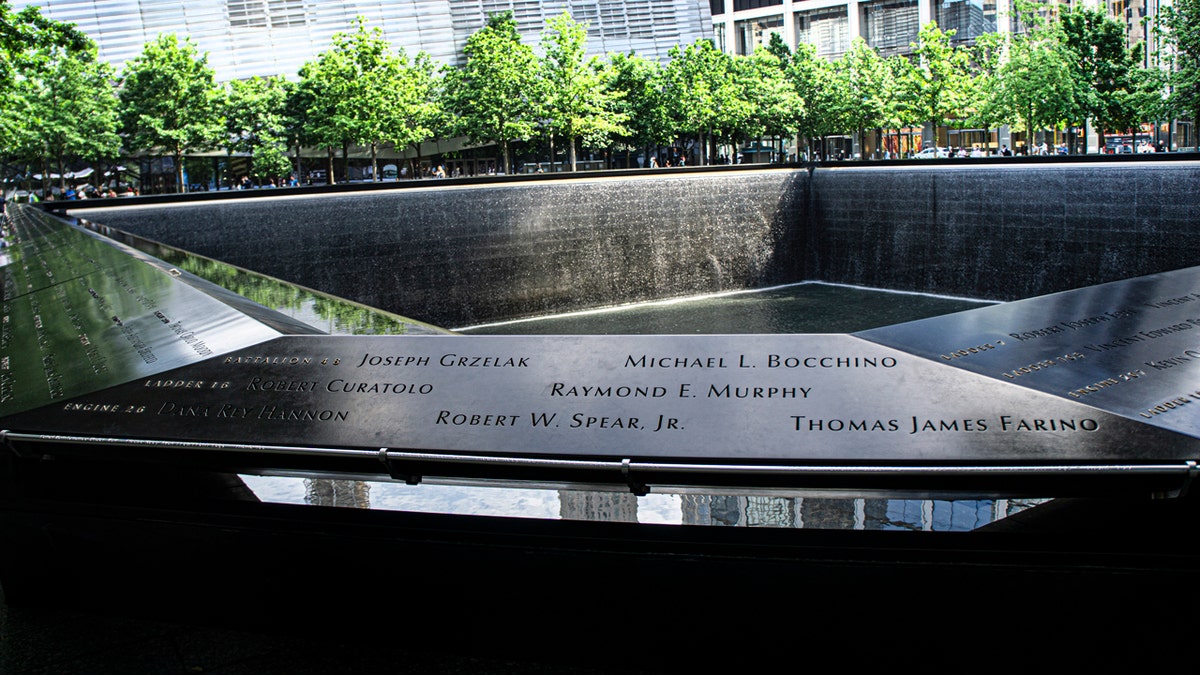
[(625, 465)]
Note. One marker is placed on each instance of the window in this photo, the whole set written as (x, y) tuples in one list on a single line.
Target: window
[(827, 30), (754, 33), (890, 25)]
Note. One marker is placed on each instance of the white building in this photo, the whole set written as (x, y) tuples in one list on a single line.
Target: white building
[(830, 25), (244, 38)]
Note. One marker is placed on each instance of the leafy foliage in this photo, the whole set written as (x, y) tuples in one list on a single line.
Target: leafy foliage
[(1181, 22), (576, 103), (638, 84), (938, 80), (704, 93), (1065, 66), (254, 113), (860, 79), (1035, 85), (169, 99), (495, 97)]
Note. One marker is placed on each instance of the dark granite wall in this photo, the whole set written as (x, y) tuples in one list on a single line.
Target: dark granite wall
[(460, 255), (1003, 232), (456, 255)]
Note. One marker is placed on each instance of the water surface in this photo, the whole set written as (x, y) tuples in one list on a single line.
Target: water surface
[(810, 307)]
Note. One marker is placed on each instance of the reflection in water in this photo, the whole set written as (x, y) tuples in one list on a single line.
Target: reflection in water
[(930, 515), (355, 494), (809, 307), (322, 311), (662, 507), (616, 507)]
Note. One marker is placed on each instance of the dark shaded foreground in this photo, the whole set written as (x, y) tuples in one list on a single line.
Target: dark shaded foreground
[(161, 580)]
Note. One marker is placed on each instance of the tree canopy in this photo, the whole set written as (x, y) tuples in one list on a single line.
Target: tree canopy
[(1060, 70), (169, 99), (1181, 29), (496, 96), (576, 103)]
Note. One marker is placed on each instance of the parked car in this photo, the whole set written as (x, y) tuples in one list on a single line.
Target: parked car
[(932, 153)]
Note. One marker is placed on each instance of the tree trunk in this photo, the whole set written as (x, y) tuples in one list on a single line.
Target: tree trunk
[(504, 168), (179, 187), (329, 179), (374, 162), (571, 153), (552, 152), (346, 161)]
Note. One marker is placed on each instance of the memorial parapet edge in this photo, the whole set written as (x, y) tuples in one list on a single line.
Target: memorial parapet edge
[(110, 349)]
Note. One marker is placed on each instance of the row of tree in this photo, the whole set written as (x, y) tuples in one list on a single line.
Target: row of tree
[(60, 105)]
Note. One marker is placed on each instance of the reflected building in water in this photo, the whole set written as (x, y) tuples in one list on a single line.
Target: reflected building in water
[(825, 513), (612, 507), (355, 494)]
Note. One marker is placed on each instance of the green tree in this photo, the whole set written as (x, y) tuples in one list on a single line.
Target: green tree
[(1101, 69), (169, 99), (813, 79), (577, 101), (774, 106), (314, 106), (255, 115), (1181, 29), (1148, 88), (639, 83), (27, 40), (74, 107), (987, 57), (898, 111), (416, 108), (704, 94), (860, 78), (270, 162), (938, 82), (358, 90), (1035, 86), (296, 128), (495, 95)]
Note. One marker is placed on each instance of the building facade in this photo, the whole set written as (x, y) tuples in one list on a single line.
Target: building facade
[(890, 26), (244, 38)]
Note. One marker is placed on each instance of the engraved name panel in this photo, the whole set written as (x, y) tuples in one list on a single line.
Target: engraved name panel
[(1130, 347), (809, 398)]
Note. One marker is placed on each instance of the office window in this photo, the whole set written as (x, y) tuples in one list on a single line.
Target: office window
[(890, 25), (827, 30), (753, 33), (968, 18)]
